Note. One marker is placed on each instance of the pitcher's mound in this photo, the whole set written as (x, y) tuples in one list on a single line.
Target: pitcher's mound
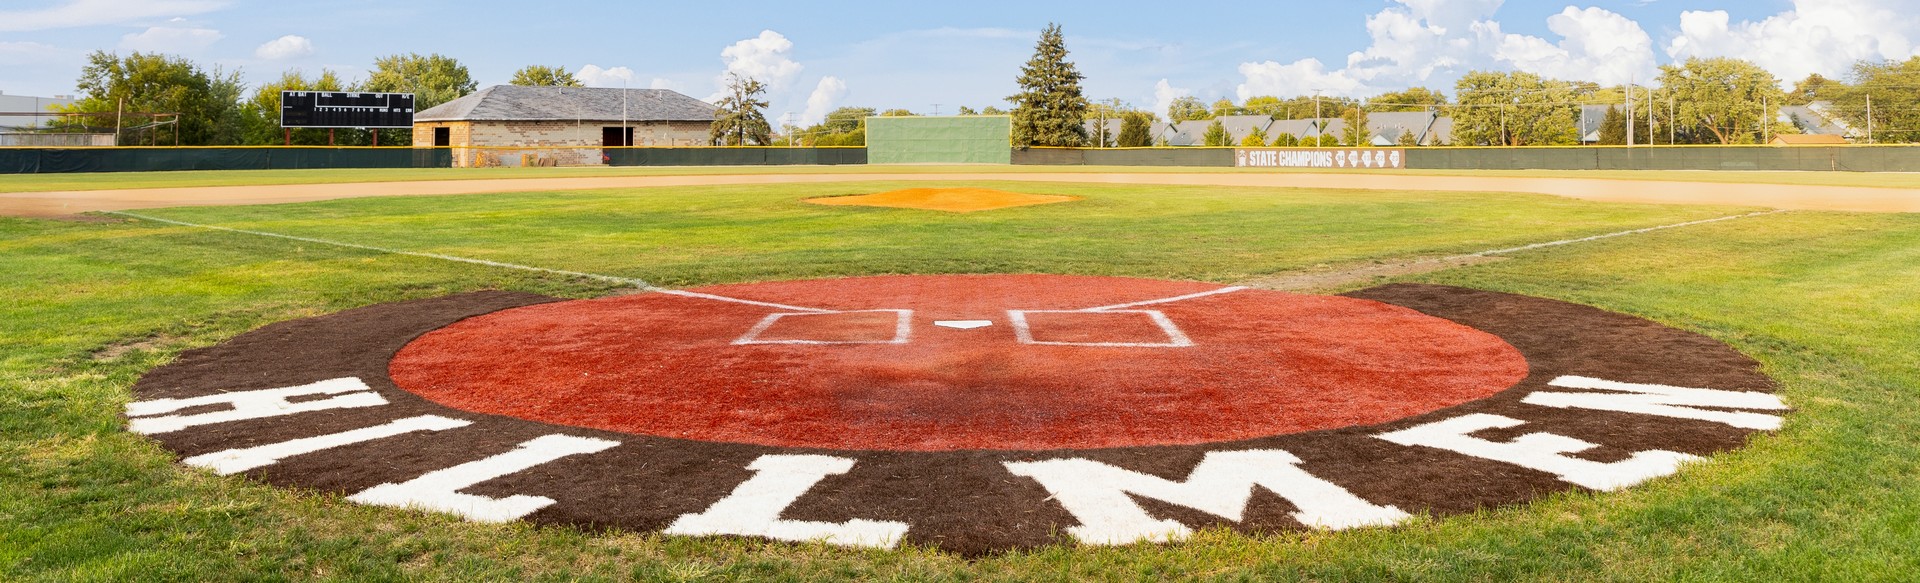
[(956, 200)]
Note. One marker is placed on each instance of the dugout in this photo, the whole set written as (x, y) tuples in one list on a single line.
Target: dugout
[(967, 139)]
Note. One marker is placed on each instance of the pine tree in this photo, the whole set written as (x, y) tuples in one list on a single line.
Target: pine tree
[(1136, 129), (1613, 128), (740, 121), (1217, 135), (1049, 108)]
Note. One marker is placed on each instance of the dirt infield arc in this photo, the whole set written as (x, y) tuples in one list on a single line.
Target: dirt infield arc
[(865, 364), (651, 413)]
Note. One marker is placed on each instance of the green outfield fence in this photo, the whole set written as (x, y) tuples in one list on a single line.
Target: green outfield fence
[(146, 159), (973, 139), (970, 143), (1901, 158)]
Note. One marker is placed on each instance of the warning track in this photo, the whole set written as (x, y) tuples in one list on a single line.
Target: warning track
[(1832, 198)]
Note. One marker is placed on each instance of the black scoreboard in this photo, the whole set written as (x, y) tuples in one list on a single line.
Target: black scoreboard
[(323, 109)]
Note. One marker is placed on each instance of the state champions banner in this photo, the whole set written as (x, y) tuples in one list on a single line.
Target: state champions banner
[(1383, 158)]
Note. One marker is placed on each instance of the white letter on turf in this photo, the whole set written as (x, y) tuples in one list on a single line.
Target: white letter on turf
[(234, 461), (250, 405), (1221, 485), (1545, 452), (1664, 401), (754, 507), (439, 489)]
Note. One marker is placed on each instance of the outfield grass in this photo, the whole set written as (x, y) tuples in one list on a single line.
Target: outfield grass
[(1829, 302), (200, 178)]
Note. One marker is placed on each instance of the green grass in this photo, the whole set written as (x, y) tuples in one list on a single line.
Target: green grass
[(200, 178), (1829, 302)]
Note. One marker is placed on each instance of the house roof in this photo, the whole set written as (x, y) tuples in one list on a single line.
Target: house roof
[(516, 103), (1814, 119), (1808, 140)]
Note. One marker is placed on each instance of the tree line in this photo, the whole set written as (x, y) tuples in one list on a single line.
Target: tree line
[(1701, 101)]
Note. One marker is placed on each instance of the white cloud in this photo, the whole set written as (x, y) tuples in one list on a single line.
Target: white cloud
[(1599, 46), (764, 58), (1163, 95), (168, 39), (665, 83), (594, 76), (1302, 77), (1433, 42), (825, 97), (286, 47), (1816, 36), (26, 53), (79, 13)]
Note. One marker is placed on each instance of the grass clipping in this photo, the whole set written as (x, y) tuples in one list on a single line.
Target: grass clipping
[(954, 200)]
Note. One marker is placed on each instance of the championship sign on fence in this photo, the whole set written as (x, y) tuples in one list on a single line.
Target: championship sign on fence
[(1394, 158)]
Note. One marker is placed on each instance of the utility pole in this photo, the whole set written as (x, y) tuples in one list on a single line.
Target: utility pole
[(1319, 123), (1869, 118), (1766, 125), (1650, 110), (1629, 112), (1673, 125)]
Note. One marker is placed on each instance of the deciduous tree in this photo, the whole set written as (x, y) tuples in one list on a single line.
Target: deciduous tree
[(208, 103), (1730, 99), (1895, 89), (1188, 108), (1412, 99), (262, 111), (1049, 107), (432, 79), (741, 119), (1513, 109), (544, 76), (1255, 139)]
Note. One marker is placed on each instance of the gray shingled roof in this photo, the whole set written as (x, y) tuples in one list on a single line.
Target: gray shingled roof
[(516, 103)]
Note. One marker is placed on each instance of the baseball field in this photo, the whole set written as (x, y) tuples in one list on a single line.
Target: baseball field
[(124, 304)]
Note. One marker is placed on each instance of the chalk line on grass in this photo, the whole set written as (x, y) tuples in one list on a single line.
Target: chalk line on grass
[(639, 283), (1333, 279), (1291, 282)]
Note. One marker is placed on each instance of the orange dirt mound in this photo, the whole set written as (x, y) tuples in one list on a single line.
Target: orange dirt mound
[(957, 200)]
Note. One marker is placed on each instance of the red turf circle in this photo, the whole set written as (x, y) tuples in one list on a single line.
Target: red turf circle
[(863, 365)]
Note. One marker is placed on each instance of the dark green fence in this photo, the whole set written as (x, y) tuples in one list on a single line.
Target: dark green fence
[(51, 160), (1124, 157), (735, 156), (1802, 158)]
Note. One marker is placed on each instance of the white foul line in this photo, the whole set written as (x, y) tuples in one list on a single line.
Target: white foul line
[(639, 283), (1619, 234), (1224, 290)]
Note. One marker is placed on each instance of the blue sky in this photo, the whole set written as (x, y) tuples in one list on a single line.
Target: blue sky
[(820, 55)]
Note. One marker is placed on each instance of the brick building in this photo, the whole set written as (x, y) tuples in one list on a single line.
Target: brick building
[(514, 125)]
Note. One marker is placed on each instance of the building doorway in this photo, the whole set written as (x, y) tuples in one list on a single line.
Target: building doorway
[(442, 137)]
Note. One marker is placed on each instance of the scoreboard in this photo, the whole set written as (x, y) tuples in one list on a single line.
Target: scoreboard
[(323, 109)]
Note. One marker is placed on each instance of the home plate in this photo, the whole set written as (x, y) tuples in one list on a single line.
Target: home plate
[(963, 324)]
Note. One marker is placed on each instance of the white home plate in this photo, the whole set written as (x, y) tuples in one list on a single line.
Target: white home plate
[(963, 324)]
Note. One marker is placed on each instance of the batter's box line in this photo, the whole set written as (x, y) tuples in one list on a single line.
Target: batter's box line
[(1175, 338), (902, 329)]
